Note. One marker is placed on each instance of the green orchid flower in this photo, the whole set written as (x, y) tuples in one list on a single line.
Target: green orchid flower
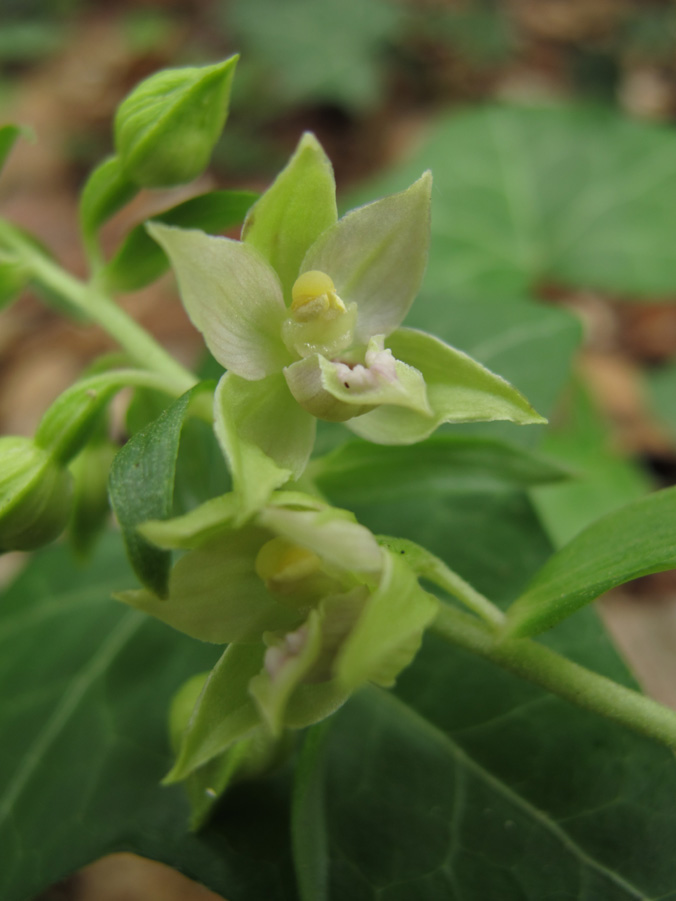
[(305, 313), (311, 607)]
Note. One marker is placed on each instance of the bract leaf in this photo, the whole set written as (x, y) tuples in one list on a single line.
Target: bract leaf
[(105, 192), (231, 295), (294, 211), (336, 392), (389, 631), (215, 595), (166, 129), (194, 528), (224, 713), (140, 260), (266, 436), (364, 472), (142, 487), (631, 542), (376, 256), (458, 389)]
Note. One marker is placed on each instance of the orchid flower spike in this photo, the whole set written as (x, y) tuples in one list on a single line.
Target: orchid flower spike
[(305, 313), (311, 605)]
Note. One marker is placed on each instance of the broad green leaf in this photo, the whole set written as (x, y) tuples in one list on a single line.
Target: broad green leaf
[(142, 487), (85, 745), (602, 479), (376, 256), (231, 295), (293, 212), (265, 435), (365, 473), (8, 137), (459, 389), (308, 823), (327, 53), (140, 260), (628, 543), (527, 195), (166, 129), (106, 191), (448, 765)]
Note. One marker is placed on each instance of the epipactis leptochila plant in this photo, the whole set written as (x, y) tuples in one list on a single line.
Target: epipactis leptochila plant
[(305, 313)]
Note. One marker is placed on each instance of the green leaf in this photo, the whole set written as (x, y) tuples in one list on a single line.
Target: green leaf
[(458, 389), (105, 192), (294, 211), (14, 276), (140, 260), (367, 473), (631, 542), (166, 129), (307, 816), (328, 53), (526, 196), (662, 394), (603, 480), (266, 436), (8, 138), (142, 487)]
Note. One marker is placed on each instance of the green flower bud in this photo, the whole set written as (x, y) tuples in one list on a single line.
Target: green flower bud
[(34, 495), (166, 129)]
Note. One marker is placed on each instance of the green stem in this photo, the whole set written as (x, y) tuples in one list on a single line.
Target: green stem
[(538, 664), (99, 308)]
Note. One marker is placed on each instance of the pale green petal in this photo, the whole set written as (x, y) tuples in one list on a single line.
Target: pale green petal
[(231, 295), (336, 392), (376, 256), (266, 436), (332, 534), (225, 711), (272, 688), (459, 389), (215, 594), (388, 633), (294, 211), (194, 528)]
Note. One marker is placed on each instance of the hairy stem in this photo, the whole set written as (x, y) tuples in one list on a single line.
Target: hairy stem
[(538, 664)]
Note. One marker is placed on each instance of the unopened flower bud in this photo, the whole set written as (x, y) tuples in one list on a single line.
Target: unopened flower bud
[(34, 495)]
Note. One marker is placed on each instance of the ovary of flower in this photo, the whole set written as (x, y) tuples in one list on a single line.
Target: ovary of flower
[(278, 655)]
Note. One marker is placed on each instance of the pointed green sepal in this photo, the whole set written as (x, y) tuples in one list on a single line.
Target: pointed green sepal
[(294, 211), (376, 256)]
